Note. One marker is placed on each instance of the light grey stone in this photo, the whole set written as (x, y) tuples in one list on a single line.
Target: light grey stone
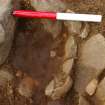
[(58, 87), (7, 27), (91, 87), (85, 31), (91, 61)]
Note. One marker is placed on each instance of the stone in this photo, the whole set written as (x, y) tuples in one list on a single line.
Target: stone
[(91, 87), (70, 48), (93, 53), (2, 34), (52, 54), (91, 61), (26, 87), (85, 31), (83, 101), (5, 76), (19, 73), (67, 66), (58, 87), (7, 27), (100, 92)]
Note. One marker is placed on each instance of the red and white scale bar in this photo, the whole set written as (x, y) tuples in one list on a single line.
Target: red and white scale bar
[(58, 16)]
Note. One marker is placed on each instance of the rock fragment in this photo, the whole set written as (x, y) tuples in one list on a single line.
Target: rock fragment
[(84, 32), (93, 53), (58, 87), (67, 66), (5, 76), (70, 48), (91, 61), (52, 54), (62, 81), (91, 87), (7, 27)]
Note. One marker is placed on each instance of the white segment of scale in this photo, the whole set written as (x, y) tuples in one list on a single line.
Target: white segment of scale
[(79, 17)]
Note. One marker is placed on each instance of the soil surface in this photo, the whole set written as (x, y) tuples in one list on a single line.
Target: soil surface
[(29, 58)]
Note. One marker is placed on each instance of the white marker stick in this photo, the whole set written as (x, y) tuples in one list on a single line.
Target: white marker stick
[(79, 17), (58, 16)]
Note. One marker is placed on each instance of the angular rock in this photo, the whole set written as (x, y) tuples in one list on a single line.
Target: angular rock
[(7, 27), (52, 54), (91, 87), (93, 53), (91, 61), (67, 66), (100, 92), (58, 87), (70, 48)]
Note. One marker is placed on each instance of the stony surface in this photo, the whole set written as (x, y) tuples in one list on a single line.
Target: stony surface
[(43, 57), (62, 82), (7, 27), (67, 66), (93, 53), (91, 61)]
